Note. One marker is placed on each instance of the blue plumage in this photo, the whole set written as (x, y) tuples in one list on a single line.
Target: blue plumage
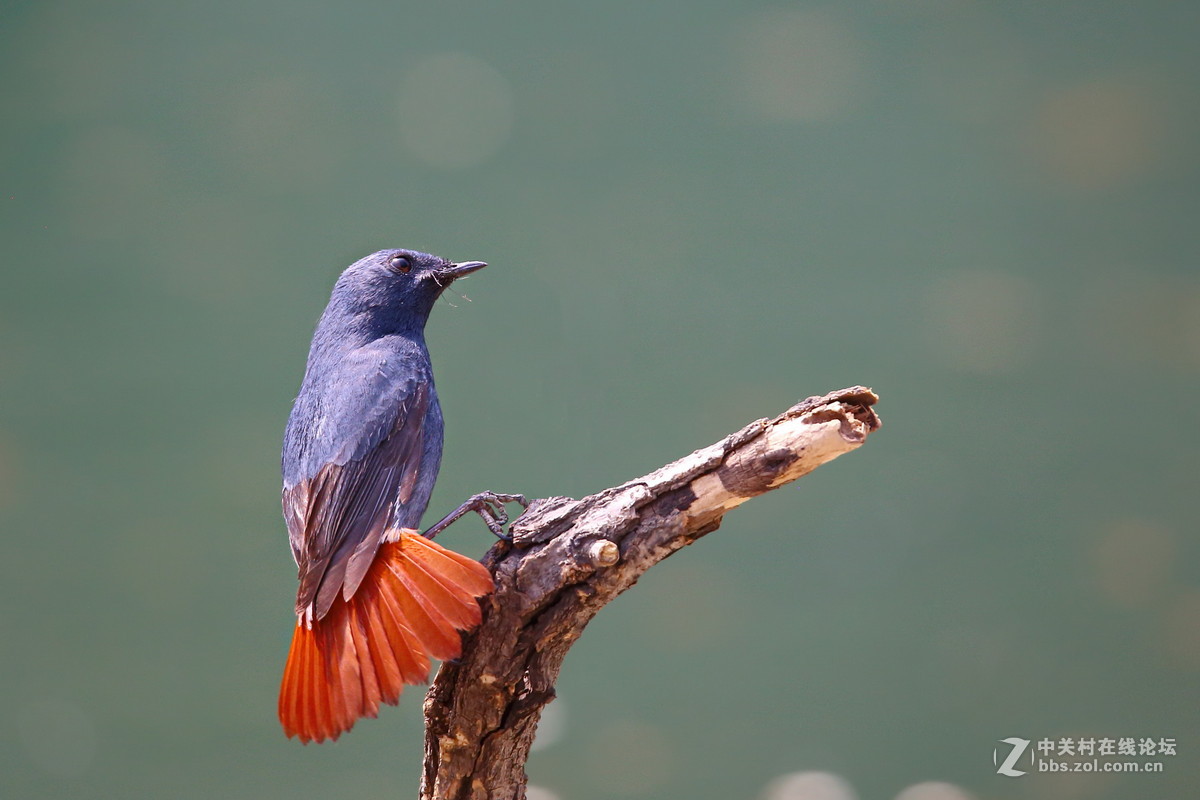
[(364, 440)]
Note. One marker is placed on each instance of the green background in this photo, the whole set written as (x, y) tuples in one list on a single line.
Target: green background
[(696, 214)]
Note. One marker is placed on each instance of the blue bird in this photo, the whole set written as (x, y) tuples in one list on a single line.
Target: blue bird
[(361, 453)]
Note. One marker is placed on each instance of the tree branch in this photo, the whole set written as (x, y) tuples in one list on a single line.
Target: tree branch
[(570, 557)]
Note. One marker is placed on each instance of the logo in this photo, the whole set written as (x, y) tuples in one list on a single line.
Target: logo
[(1084, 754), (1019, 746)]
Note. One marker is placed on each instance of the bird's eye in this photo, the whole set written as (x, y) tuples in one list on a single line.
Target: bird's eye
[(400, 264)]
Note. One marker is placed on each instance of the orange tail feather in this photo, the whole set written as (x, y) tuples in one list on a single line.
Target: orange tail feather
[(415, 598)]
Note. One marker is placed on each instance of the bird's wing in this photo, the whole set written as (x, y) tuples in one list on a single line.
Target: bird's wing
[(368, 442)]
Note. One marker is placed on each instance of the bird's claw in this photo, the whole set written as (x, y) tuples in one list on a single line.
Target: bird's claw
[(490, 506)]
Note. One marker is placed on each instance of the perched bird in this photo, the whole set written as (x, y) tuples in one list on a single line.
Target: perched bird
[(360, 457)]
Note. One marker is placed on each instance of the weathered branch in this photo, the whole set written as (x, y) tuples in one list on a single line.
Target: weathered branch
[(571, 557)]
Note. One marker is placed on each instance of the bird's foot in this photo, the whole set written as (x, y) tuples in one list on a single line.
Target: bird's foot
[(489, 506)]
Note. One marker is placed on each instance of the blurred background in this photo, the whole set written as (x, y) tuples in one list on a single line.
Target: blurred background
[(696, 214)]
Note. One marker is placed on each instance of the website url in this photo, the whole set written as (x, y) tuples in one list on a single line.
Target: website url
[(1096, 765)]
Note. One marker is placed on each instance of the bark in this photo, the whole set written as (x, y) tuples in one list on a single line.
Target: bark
[(569, 558)]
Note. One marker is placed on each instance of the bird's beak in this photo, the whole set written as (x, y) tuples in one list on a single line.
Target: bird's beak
[(458, 270)]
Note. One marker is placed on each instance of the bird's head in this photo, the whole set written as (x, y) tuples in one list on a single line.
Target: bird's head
[(396, 289)]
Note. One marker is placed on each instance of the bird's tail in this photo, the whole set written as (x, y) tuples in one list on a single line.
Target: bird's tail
[(415, 598)]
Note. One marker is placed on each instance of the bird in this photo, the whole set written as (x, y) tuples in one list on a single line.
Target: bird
[(361, 451)]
